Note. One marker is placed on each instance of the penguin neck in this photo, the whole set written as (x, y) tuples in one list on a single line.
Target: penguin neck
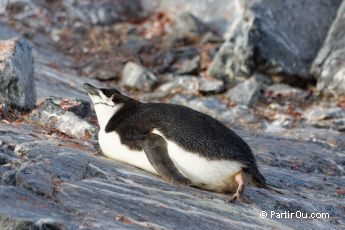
[(105, 112)]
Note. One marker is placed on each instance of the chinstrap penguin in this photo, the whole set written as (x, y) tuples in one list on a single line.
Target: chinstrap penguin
[(181, 145)]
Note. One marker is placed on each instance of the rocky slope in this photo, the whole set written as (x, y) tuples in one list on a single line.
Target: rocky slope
[(53, 175), (53, 182)]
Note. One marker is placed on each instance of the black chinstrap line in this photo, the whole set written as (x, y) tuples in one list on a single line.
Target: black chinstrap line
[(104, 104)]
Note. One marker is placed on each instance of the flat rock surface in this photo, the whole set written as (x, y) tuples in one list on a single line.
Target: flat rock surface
[(61, 182)]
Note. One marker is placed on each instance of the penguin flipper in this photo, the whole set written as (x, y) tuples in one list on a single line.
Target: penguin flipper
[(155, 148)]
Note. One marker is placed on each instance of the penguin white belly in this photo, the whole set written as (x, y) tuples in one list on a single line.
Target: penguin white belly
[(216, 175), (112, 147)]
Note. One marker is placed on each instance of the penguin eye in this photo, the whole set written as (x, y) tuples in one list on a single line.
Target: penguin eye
[(109, 92)]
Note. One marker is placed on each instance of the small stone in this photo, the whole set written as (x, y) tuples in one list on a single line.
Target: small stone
[(187, 28), (106, 12), (243, 113), (17, 84), (188, 84), (136, 45), (246, 93), (279, 91), (210, 37), (326, 117), (263, 78), (181, 61), (4, 111), (321, 113), (211, 86), (211, 106), (9, 177), (138, 77), (188, 66), (80, 107), (53, 116)]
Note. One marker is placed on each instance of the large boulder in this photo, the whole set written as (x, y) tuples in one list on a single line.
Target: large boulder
[(275, 37), (329, 65), (17, 85)]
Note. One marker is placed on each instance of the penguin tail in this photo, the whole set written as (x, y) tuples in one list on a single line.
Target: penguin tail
[(258, 180)]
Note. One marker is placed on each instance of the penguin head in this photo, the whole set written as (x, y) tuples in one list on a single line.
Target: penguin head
[(106, 101), (102, 96)]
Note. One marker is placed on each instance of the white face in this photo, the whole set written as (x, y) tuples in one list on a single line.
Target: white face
[(101, 99), (105, 108)]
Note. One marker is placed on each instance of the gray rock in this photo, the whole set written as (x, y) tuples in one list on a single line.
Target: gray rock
[(211, 37), (188, 84), (185, 85), (216, 108), (284, 91), (54, 116), (229, 66), (262, 78), (4, 111), (280, 122), (188, 66), (268, 38), (181, 61), (208, 105), (328, 67), (105, 12), (326, 117), (246, 93), (187, 28), (138, 77), (243, 115), (318, 113), (211, 86), (3, 7), (136, 45), (59, 80), (332, 138), (76, 190), (7, 32), (79, 107), (218, 14), (17, 84)]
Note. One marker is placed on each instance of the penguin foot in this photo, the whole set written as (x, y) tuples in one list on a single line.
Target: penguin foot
[(235, 197), (241, 181)]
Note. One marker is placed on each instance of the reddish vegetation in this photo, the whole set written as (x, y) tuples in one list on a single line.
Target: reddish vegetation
[(124, 219), (341, 102), (340, 191)]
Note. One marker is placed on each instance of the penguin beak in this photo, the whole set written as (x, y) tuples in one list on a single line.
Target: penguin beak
[(91, 89)]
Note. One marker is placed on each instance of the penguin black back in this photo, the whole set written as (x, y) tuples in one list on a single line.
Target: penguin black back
[(194, 131)]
